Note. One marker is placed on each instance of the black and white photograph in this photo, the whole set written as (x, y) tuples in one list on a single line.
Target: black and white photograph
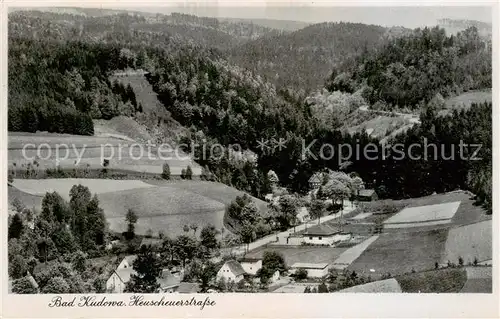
[(194, 149)]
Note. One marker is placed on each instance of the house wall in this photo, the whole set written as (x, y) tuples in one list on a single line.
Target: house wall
[(318, 240), (227, 274), (313, 272), (114, 284), (326, 240), (169, 290), (274, 278), (251, 267)]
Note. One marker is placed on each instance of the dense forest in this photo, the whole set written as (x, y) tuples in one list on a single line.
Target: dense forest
[(61, 88), (55, 83), (409, 71), (302, 59)]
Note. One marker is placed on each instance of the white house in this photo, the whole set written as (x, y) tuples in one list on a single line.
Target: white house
[(127, 262), (251, 265), (121, 275), (231, 271), (313, 270), (274, 278), (118, 280), (324, 234)]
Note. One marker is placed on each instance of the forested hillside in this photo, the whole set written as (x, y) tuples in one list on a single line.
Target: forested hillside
[(409, 71), (62, 87), (302, 59), (54, 83)]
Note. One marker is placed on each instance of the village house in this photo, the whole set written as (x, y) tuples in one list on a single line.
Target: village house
[(231, 271), (118, 280), (121, 275), (314, 270), (274, 278), (169, 281), (366, 195), (251, 265), (324, 234), (316, 180)]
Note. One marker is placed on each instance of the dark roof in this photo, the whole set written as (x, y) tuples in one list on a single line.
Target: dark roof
[(366, 192), (150, 241), (167, 279), (322, 229), (310, 265), (188, 287), (235, 267), (250, 259)]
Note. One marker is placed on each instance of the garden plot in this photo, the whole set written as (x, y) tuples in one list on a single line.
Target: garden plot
[(401, 252), (423, 216), (62, 186), (300, 254), (388, 285), (351, 254), (469, 242)]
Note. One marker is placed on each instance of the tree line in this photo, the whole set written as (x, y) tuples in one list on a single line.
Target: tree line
[(61, 87), (410, 70)]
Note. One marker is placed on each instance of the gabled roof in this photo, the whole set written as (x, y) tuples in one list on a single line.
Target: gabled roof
[(316, 178), (249, 260), (168, 280), (366, 192), (130, 259), (310, 265), (188, 287), (322, 230), (235, 267), (125, 274)]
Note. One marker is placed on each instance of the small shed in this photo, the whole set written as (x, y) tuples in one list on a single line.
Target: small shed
[(367, 195), (314, 270), (324, 234)]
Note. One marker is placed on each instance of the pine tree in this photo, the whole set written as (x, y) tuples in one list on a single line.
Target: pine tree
[(189, 173), (16, 227), (166, 171)]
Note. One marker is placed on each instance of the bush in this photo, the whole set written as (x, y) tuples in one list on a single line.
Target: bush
[(301, 274), (322, 288), (189, 173), (166, 171)]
